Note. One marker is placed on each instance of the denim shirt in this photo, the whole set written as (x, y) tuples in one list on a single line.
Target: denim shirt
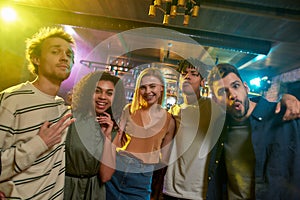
[(276, 147)]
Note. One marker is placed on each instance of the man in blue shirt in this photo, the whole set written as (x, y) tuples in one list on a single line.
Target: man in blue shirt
[(258, 154)]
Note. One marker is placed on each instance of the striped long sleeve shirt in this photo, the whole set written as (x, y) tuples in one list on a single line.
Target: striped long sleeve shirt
[(29, 170)]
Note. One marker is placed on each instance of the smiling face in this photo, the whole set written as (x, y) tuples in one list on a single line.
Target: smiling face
[(151, 89), (103, 96), (55, 60), (231, 91)]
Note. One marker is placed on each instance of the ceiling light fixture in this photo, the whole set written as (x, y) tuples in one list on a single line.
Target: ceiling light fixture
[(172, 8)]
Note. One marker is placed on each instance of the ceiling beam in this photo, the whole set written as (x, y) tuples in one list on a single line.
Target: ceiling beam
[(257, 8), (205, 38)]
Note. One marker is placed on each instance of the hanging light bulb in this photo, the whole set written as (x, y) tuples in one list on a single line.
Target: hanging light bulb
[(187, 13), (195, 11), (167, 14), (173, 8), (166, 19), (196, 8), (186, 20), (152, 9), (180, 3), (157, 3), (173, 12)]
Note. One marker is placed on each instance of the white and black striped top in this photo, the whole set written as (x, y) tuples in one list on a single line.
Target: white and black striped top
[(29, 170)]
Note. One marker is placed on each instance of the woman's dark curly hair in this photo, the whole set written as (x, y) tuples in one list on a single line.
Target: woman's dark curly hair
[(82, 99)]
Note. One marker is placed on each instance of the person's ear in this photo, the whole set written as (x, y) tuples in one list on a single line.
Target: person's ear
[(247, 87), (202, 83), (35, 60)]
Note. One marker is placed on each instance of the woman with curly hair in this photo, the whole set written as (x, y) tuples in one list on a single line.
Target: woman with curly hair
[(98, 100)]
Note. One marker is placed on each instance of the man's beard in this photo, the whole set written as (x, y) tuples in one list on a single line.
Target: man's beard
[(239, 114)]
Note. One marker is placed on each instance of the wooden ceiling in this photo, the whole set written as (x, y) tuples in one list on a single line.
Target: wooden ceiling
[(233, 31)]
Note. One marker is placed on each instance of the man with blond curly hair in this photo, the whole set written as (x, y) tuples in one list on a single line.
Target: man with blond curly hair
[(33, 121)]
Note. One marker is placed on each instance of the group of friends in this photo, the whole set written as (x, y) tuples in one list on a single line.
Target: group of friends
[(224, 147)]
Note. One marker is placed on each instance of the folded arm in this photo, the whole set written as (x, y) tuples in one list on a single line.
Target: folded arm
[(292, 107)]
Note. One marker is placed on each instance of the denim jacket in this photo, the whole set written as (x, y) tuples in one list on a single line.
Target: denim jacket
[(276, 145)]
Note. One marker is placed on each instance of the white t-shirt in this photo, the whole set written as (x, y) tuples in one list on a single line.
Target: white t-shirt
[(186, 177)]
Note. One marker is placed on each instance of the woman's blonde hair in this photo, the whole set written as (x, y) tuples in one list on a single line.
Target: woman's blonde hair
[(138, 102)]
